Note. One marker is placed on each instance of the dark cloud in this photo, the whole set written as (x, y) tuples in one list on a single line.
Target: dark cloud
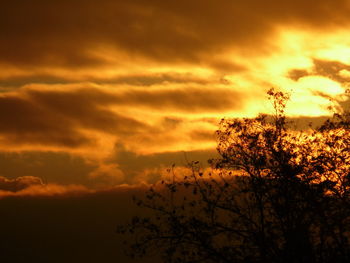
[(196, 99), (296, 74), (13, 82), (330, 69), (171, 122), (127, 79), (22, 121), (325, 68), (87, 109), (156, 78), (90, 103), (63, 32), (34, 186), (19, 183), (54, 118), (202, 135)]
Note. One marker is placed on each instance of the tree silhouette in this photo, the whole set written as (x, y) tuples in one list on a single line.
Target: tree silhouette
[(274, 195)]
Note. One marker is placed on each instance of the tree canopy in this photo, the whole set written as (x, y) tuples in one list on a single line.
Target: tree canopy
[(276, 194)]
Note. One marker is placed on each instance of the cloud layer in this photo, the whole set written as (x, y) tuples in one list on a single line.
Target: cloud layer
[(124, 86), (68, 32)]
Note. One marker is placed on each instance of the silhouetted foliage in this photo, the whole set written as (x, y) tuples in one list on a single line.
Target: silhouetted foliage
[(274, 195)]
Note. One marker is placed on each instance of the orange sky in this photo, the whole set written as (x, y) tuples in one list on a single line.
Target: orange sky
[(100, 93)]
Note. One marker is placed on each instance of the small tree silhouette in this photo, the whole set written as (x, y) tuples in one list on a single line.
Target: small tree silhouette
[(274, 195)]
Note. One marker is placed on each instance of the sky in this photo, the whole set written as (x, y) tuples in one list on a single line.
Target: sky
[(101, 95)]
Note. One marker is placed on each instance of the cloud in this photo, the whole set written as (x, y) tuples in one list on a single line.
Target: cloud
[(78, 116), (156, 78), (18, 184), (80, 77), (25, 186), (33, 186), (334, 70), (25, 122), (202, 135), (189, 99), (164, 97), (85, 108), (58, 118), (67, 33), (47, 190)]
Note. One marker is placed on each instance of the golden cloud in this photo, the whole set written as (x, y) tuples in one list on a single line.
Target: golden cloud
[(81, 78)]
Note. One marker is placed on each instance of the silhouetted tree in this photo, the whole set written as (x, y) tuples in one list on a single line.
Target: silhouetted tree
[(274, 195)]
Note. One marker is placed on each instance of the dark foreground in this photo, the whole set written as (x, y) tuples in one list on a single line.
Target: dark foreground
[(65, 229)]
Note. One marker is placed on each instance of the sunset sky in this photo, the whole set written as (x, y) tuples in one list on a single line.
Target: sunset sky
[(108, 94)]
